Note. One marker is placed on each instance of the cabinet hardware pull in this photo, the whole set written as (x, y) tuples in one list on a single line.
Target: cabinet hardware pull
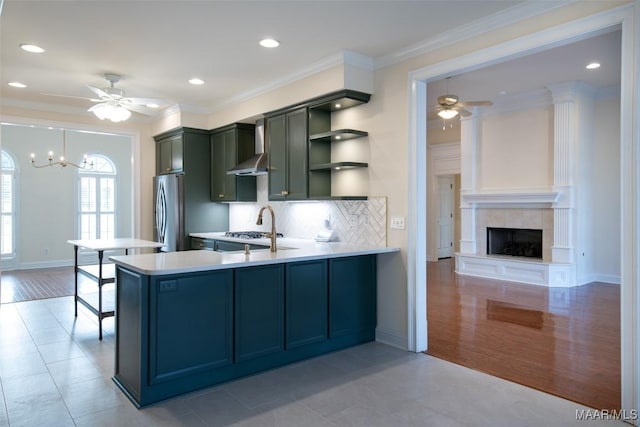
[(284, 193), (220, 196)]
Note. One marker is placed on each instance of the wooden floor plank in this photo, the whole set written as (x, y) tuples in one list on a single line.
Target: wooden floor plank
[(40, 283), (564, 341)]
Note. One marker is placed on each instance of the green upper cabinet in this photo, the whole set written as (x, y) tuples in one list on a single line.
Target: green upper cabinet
[(288, 159), (169, 154), (231, 145), (300, 138), (180, 149)]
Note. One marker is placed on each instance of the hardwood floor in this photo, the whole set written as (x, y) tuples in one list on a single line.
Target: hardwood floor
[(41, 283), (563, 341)]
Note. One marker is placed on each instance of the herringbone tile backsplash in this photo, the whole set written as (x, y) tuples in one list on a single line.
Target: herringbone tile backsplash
[(354, 221)]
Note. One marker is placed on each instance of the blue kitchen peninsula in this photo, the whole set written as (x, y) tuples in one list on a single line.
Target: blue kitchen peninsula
[(191, 319)]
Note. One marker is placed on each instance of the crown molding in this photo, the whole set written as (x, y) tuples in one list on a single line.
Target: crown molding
[(455, 35), (316, 67)]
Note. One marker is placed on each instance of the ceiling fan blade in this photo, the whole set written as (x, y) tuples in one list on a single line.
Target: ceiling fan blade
[(138, 109), (143, 101), (463, 112), (73, 97), (101, 93), (475, 103)]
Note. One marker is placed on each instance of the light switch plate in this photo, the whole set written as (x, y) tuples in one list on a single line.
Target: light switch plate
[(397, 222)]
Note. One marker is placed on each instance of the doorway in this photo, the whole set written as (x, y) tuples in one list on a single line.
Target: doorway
[(630, 127), (446, 221)]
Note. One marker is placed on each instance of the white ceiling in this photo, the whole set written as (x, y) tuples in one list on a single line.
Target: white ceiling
[(158, 45)]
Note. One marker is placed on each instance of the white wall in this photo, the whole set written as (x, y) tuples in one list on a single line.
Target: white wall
[(47, 198), (605, 172), (517, 150)]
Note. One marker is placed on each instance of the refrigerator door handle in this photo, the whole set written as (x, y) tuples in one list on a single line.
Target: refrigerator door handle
[(161, 212)]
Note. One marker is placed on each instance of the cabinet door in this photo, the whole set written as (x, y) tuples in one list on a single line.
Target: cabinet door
[(352, 295), (169, 155), (297, 149), (218, 178), (191, 328), (277, 139), (259, 311), (306, 303), (230, 161), (163, 157), (177, 153)]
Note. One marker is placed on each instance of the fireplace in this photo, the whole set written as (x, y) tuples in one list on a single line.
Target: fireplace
[(517, 242)]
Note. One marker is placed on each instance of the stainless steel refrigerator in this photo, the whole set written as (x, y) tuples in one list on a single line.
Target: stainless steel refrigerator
[(182, 205), (168, 212)]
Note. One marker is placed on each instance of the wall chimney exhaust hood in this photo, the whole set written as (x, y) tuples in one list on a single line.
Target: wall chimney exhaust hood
[(258, 164)]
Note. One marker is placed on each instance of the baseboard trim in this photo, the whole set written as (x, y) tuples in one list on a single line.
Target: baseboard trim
[(43, 264), (391, 339)]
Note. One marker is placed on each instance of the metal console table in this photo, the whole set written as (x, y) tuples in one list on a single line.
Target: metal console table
[(103, 273)]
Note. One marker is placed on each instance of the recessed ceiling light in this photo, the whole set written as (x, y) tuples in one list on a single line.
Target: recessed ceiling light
[(269, 43), (593, 66), (17, 84), (152, 105), (338, 105), (196, 81), (31, 48)]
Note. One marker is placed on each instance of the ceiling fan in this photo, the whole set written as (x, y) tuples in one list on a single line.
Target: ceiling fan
[(449, 105), (113, 104)]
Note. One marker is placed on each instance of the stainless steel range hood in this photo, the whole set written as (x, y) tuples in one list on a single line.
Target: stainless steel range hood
[(258, 164)]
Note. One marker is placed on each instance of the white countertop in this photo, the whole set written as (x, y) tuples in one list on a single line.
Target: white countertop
[(290, 250), (117, 243)]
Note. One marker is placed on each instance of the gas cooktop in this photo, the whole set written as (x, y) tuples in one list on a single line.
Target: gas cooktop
[(248, 234)]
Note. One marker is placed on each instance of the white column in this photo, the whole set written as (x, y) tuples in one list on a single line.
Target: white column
[(470, 137), (564, 131)]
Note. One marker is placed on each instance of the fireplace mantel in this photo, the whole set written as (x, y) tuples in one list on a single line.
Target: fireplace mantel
[(510, 197)]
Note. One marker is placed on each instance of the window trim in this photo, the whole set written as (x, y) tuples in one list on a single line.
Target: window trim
[(98, 175), (10, 259)]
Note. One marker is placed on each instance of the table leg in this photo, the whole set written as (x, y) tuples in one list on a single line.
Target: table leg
[(100, 256), (75, 271)]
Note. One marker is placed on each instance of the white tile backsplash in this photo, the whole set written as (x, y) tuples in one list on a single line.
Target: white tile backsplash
[(354, 221)]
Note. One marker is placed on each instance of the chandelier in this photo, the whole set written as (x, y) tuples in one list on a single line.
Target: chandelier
[(63, 160)]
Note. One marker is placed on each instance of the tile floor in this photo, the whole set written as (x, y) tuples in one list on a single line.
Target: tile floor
[(55, 372)]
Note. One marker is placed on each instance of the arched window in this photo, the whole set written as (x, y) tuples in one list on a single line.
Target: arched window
[(97, 199), (8, 206)]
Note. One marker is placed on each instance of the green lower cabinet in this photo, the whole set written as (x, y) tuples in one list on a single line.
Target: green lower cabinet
[(259, 311), (352, 295), (191, 327), (306, 303), (181, 332)]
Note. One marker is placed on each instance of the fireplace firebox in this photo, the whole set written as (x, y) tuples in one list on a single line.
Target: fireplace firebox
[(517, 242)]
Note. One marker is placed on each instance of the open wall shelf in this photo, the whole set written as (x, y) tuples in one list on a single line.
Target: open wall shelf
[(337, 135), (337, 166)]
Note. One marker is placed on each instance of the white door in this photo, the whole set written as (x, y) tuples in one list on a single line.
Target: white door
[(445, 217)]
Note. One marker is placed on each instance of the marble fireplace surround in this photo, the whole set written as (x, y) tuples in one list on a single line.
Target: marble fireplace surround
[(525, 210)]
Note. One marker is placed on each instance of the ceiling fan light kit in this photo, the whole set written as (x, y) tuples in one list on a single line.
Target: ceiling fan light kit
[(447, 113), (110, 110)]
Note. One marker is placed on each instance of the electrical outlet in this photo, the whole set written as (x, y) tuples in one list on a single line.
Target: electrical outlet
[(397, 222), (353, 220)]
